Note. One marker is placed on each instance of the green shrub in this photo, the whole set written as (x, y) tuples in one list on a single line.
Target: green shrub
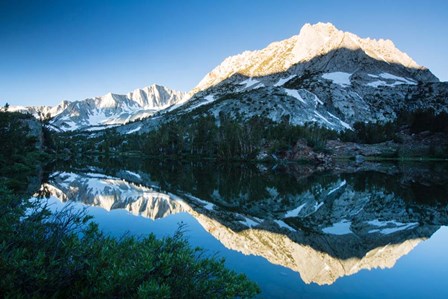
[(64, 254)]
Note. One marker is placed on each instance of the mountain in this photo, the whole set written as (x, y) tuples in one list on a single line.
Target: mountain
[(108, 110), (314, 41), (322, 75)]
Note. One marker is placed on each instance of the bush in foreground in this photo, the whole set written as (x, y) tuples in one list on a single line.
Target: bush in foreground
[(64, 254)]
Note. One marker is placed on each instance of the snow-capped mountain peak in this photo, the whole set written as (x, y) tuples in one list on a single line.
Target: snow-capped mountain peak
[(107, 101), (312, 42), (323, 76), (155, 97), (322, 38)]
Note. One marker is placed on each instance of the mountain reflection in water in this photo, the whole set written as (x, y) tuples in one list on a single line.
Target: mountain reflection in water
[(321, 225)]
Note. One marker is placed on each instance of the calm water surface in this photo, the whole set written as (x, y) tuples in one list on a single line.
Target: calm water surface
[(376, 230)]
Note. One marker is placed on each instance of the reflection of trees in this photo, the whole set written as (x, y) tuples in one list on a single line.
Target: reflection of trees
[(421, 184), (230, 180), (238, 185)]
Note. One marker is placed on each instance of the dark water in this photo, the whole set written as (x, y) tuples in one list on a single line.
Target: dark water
[(377, 230)]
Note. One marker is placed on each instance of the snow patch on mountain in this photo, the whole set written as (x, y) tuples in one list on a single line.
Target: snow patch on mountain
[(294, 94), (295, 212), (207, 100), (340, 78), (282, 224), (284, 80), (323, 118), (134, 130), (390, 227), (344, 124), (251, 83), (396, 78), (391, 80), (339, 228), (342, 184), (249, 222)]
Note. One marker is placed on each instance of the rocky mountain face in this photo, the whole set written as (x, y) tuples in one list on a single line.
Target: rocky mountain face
[(323, 76), (109, 110)]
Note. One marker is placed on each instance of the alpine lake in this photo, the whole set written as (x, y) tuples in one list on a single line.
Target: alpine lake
[(370, 230)]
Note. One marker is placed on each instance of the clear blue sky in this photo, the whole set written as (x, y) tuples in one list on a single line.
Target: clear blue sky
[(54, 50)]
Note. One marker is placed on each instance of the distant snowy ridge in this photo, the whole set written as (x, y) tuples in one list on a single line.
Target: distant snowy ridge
[(106, 111), (41, 111)]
